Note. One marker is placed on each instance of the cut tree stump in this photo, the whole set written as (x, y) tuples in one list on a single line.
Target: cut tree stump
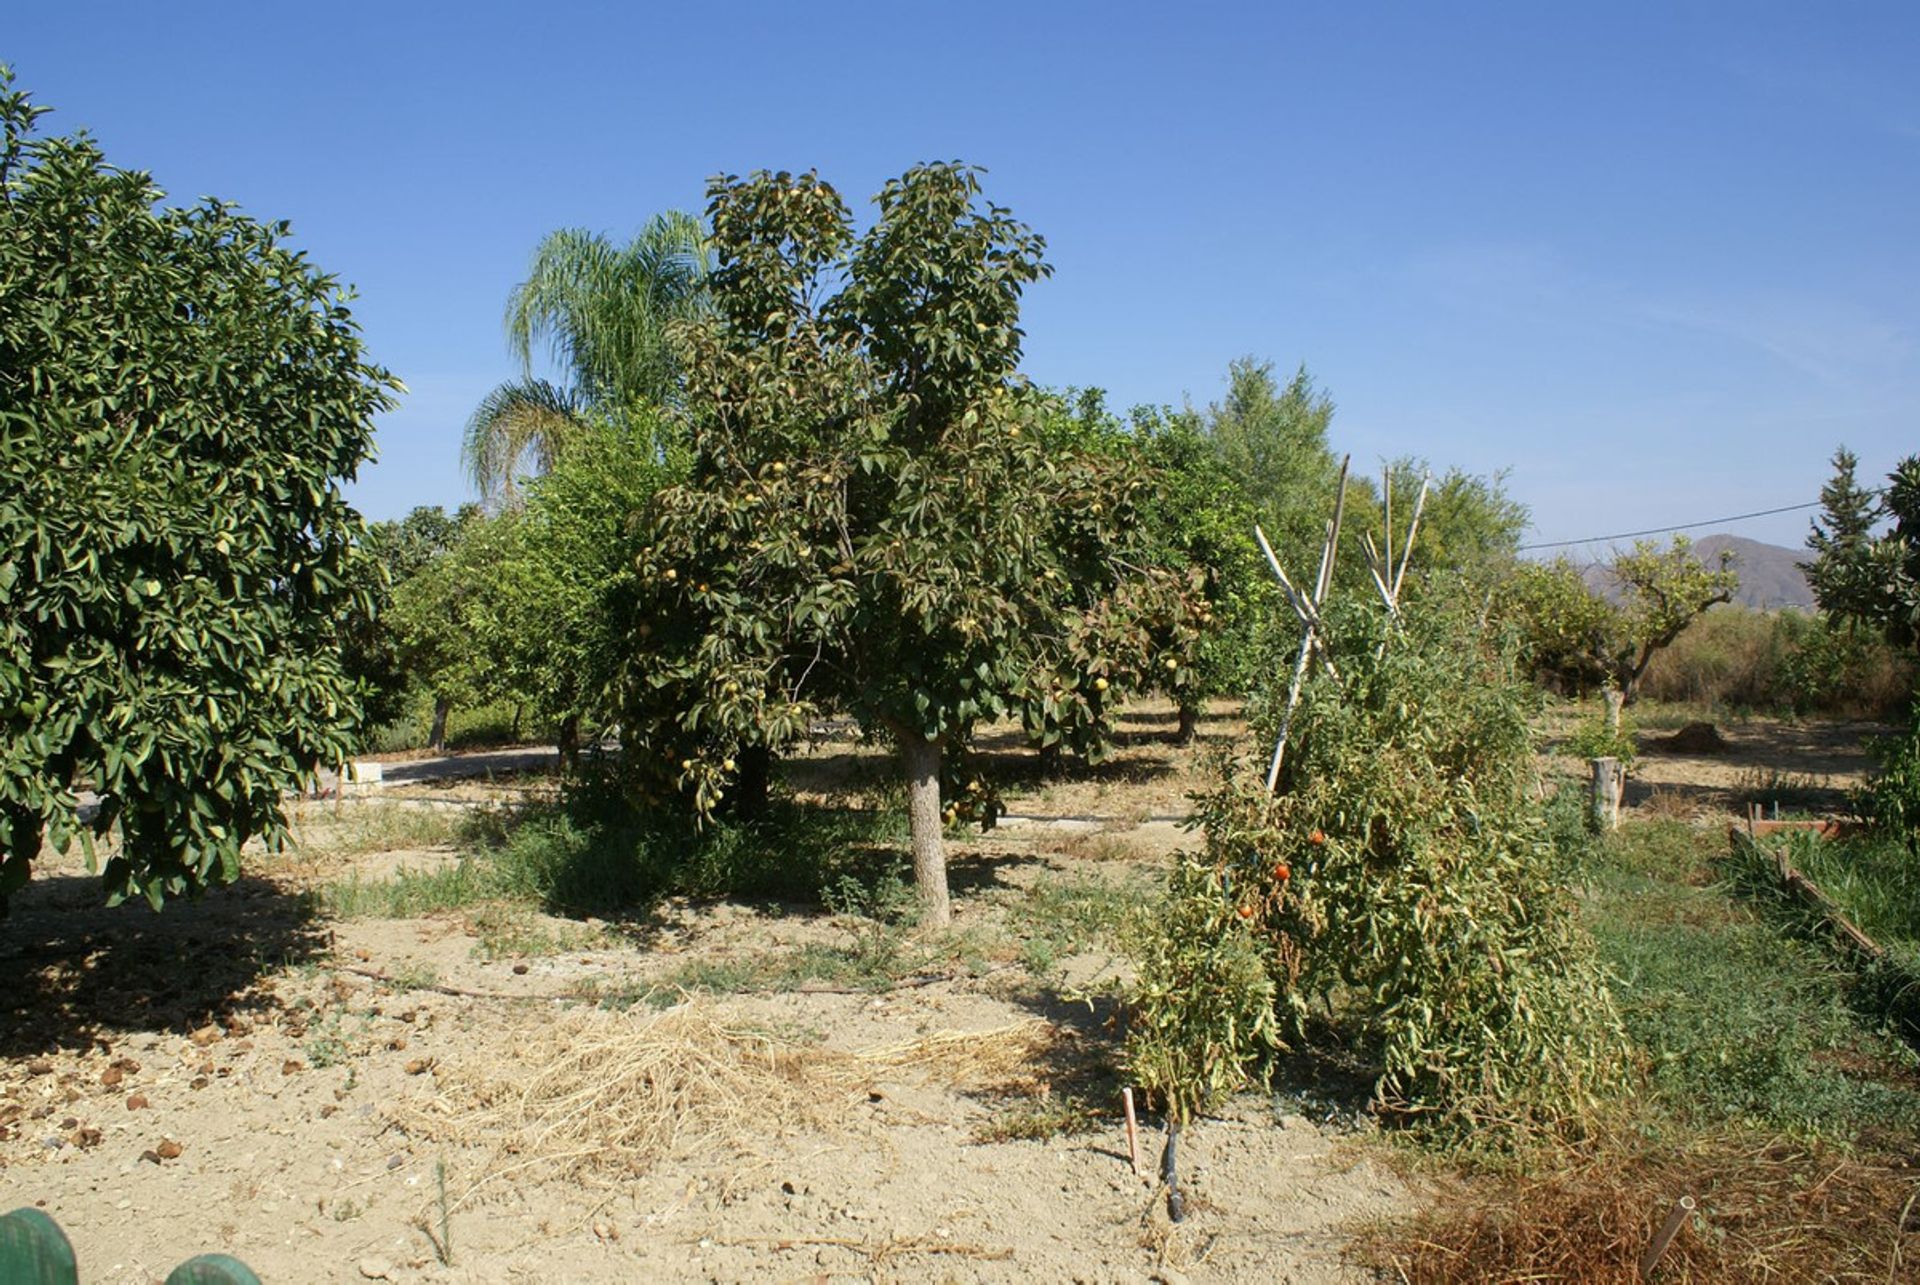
[(1609, 783)]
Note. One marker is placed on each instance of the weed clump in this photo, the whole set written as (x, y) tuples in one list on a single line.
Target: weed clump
[(1402, 880)]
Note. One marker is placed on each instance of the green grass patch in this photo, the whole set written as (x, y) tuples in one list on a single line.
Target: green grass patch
[(594, 856), (476, 728), (1875, 880), (873, 957), (1062, 916), (1739, 1023), (354, 828)]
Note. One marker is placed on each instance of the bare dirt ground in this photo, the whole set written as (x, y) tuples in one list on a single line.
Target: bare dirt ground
[(245, 1073), (1808, 765), (333, 1099)]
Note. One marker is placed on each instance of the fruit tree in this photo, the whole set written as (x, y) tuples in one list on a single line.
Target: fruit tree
[(181, 396)]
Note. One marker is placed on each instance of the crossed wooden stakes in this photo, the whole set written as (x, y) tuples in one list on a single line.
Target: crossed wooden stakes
[(1387, 579)]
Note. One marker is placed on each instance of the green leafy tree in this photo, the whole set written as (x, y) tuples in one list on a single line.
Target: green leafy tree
[(1469, 523), (1585, 640), (604, 311), (1129, 599), (871, 519), (569, 580), (1869, 581), (181, 396), (1863, 579), (456, 621), (1274, 440), (369, 648)]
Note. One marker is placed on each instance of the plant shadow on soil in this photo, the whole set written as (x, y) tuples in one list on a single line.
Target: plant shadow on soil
[(1068, 1084), (1789, 794), (79, 969)]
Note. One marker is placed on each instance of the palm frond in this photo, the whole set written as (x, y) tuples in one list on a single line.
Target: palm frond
[(524, 422), (604, 309)]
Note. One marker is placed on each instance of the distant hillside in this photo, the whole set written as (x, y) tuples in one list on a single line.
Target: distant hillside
[(1768, 576)]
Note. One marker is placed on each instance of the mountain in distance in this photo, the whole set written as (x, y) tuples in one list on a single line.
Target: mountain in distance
[(1769, 576)]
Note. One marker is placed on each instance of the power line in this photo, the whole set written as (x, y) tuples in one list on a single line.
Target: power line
[(1683, 526)]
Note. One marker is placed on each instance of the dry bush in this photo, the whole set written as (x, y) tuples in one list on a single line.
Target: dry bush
[(1738, 658), (1670, 804), (1768, 1210), (998, 1059)]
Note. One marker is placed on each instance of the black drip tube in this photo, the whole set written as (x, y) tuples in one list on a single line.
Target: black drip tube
[(1170, 1174)]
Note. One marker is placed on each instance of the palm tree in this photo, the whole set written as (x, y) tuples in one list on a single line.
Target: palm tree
[(603, 311)]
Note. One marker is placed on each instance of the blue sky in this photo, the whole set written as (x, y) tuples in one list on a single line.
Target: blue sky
[(1656, 260)]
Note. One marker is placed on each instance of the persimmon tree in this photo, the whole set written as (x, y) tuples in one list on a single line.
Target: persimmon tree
[(1199, 515), (1129, 602), (181, 396), (871, 520)]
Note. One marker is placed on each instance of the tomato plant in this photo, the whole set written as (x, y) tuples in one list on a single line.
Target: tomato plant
[(1402, 879)]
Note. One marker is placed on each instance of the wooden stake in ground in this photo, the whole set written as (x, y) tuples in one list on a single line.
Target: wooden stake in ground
[(1133, 1132), (1308, 609), (1387, 579), (1664, 1237)]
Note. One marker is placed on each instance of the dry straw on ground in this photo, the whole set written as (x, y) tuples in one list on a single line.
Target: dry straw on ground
[(620, 1092), (972, 1059), (1777, 1211)]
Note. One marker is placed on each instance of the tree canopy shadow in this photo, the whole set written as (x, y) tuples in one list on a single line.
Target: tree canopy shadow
[(970, 871), (80, 971), (1022, 768)]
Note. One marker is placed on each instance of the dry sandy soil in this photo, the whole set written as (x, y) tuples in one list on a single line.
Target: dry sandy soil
[(246, 1074), (336, 1100)]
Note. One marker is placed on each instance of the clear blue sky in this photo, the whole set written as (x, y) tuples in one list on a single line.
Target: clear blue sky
[(1655, 259)]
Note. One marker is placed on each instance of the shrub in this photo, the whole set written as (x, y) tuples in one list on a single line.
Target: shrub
[(1891, 799), (1597, 738), (1403, 878), (1788, 661), (597, 852)]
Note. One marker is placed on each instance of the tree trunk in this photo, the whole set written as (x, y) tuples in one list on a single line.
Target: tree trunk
[(1189, 723), (437, 734), (751, 787), (569, 742), (1616, 700), (1050, 759), (514, 734), (921, 758)]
